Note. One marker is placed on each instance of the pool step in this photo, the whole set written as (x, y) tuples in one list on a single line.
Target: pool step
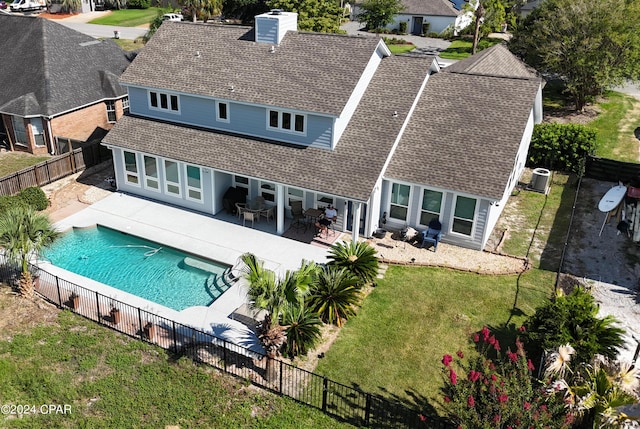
[(201, 265)]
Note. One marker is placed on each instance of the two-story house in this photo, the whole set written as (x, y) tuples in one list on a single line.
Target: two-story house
[(56, 82), (324, 118)]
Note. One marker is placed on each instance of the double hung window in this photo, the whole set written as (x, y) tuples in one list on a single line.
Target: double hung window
[(194, 183), (151, 173), (399, 207), (431, 206), (131, 168), (464, 215), (171, 178)]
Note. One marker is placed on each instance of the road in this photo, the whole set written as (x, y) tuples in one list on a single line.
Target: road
[(80, 21)]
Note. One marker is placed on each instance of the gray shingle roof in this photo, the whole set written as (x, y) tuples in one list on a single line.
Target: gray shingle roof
[(494, 61), (465, 133), (49, 68), (429, 7), (351, 170), (307, 71)]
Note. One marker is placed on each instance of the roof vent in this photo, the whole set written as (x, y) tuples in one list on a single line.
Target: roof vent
[(276, 11), (197, 54), (272, 49)]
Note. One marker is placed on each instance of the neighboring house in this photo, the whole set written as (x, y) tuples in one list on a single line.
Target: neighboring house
[(527, 8), (325, 118), (440, 14), (56, 82)]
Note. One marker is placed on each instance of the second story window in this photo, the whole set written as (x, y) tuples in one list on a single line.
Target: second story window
[(111, 110), (286, 121), (125, 104), (163, 101), (222, 111)]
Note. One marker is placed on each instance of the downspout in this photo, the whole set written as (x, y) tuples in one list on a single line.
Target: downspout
[(50, 133)]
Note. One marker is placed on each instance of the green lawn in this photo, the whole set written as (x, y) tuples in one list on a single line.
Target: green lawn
[(417, 314), (112, 381), (460, 49), (128, 17), (401, 49), (10, 162), (615, 124), (129, 45)]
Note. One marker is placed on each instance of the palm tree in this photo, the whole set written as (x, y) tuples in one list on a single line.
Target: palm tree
[(358, 258), (23, 235), (334, 295), (274, 295), (303, 329)]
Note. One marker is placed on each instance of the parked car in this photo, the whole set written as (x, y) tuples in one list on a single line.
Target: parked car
[(3, 4), (172, 17)]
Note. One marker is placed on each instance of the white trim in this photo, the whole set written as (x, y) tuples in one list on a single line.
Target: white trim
[(473, 221), (292, 122), (218, 118), (146, 177), (192, 188), (112, 110), (159, 107), (128, 173), (420, 210), (168, 182)]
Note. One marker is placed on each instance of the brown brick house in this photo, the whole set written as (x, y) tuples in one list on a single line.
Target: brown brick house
[(56, 82)]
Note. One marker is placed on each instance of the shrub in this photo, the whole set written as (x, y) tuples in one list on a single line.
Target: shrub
[(7, 202), (433, 35), (358, 258), (303, 330), (561, 146), (138, 4), (334, 295), (403, 28), (495, 391), (425, 28), (34, 197), (573, 319)]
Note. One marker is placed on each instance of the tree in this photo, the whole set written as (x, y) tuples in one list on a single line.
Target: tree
[(24, 233), (379, 13), (153, 27), (590, 45), (245, 10), (322, 16), (358, 258), (71, 6), (334, 295), (203, 9), (275, 296), (573, 319), (303, 329)]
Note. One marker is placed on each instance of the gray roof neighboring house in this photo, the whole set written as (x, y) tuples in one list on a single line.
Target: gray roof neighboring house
[(494, 61), (307, 71), (429, 7), (49, 69), (468, 125), (351, 170)]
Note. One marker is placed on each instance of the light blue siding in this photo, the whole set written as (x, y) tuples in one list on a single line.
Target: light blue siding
[(243, 119)]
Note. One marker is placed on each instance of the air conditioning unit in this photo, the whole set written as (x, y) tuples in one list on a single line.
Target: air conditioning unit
[(540, 180)]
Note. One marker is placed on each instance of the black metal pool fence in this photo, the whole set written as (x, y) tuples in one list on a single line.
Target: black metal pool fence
[(338, 400)]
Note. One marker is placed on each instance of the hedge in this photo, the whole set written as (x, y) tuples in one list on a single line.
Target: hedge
[(561, 147)]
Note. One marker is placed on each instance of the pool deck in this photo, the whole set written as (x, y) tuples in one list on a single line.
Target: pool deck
[(194, 233)]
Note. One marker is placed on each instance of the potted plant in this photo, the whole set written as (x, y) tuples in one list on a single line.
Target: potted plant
[(74, 299), (149, 331), (115, 313)]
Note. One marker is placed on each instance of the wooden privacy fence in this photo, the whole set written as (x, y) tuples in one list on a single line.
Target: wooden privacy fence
[(338, 400), (82, 155), (42, 173)]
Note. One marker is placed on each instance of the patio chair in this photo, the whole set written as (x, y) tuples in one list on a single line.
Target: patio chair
[(249, 215), (268, 213), (240, 208), (298, 215), (432, 235)]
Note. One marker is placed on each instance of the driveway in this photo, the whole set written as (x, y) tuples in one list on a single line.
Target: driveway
[(424, 45), (80, 23)]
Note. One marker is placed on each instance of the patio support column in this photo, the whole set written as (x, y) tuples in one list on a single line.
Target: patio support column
[(280, 199), (355, 221)]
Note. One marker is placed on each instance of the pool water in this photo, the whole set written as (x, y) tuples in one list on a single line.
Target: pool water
[(149, 270)]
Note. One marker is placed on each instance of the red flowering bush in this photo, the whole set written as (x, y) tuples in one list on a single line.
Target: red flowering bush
[(494, 390)]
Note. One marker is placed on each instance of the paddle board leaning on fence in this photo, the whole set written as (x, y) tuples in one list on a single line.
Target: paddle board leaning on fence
[(610, 201)]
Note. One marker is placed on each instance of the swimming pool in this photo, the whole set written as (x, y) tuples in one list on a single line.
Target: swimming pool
[(149, 270)]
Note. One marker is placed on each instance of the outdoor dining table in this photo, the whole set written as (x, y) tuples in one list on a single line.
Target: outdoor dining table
[(312, 215)]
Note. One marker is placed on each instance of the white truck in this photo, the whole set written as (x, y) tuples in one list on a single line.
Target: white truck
[(26, 5)]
